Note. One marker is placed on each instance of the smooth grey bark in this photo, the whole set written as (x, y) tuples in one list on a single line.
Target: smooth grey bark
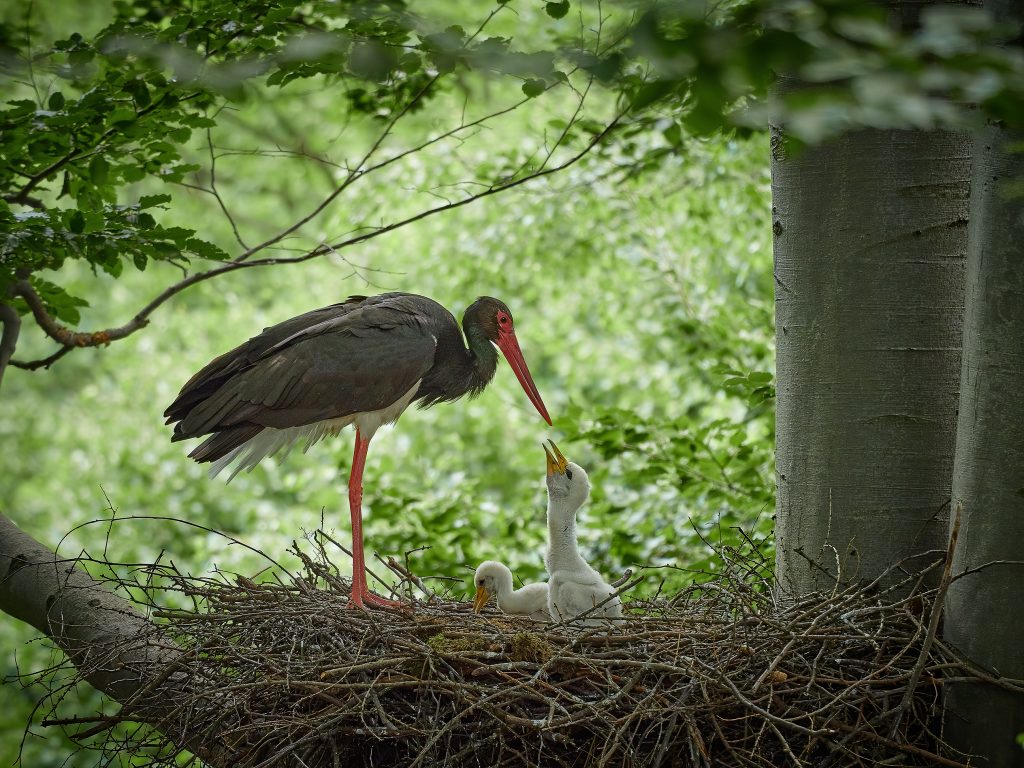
[(985, 607), (870, 242), (118, 649)]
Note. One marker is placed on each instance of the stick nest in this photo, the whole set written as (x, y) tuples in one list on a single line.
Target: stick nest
[(725, 673)]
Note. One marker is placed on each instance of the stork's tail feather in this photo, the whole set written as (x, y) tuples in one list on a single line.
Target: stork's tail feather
[(246, 445), (224, 442)]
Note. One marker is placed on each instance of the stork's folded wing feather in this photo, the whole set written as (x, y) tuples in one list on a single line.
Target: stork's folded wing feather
[(221, 369), (330, 372)]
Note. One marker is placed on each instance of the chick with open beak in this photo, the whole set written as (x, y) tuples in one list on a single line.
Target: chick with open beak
[(574, 587)]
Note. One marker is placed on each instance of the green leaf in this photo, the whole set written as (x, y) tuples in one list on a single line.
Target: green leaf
[(533, 88), (56, 102), (59, 302), (139, 92), (121, 115), (278, 14), (649, 93), (179, 235), (198, 121), (99, 170), (205, 250), (410, 63), (180, 135), (76, 222), (149, 201), (372, 61), (557, 10), (673, 135)]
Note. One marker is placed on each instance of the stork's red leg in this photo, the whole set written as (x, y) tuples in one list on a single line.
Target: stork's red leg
[(361, 594)]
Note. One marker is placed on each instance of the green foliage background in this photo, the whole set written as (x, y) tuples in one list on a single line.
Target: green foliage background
[(641, 284)]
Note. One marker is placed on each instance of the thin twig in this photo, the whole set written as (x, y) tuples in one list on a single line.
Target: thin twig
[(933, 622)]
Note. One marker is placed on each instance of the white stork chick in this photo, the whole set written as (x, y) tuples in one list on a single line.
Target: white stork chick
[(573, 586), (494, 578)]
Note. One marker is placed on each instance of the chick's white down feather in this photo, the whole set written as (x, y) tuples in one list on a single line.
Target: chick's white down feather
[(573, 586), (530, 600)]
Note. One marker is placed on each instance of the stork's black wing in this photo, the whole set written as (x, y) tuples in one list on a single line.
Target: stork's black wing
[(219, 370), (361, 355)]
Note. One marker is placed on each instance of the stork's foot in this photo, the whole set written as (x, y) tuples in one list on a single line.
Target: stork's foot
[(368, 599)]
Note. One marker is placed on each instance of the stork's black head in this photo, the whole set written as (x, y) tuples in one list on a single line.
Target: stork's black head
[(491, 316)]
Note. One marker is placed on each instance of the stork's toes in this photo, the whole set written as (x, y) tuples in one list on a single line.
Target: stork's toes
[(369, 600)]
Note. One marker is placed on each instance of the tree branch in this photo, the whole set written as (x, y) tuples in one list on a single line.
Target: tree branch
[(117, 649), (12, 327), (45, 362), (66, 336), (31, 202), (23, 197), (72, 340)]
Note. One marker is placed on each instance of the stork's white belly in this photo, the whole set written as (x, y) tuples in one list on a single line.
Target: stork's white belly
[(271, 441)]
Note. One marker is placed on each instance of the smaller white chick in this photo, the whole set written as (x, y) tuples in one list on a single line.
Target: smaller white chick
[(494, 578)]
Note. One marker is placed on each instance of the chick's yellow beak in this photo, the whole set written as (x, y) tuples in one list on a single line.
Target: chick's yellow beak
[(481, 599), (556, 462)]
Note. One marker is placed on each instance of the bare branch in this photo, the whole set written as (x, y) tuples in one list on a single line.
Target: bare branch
[(46, 362), (354, 174), (216, 194), (66, 336), (9, 341)]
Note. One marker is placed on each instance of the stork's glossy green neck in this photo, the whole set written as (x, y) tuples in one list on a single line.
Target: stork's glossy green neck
[(485, 356)]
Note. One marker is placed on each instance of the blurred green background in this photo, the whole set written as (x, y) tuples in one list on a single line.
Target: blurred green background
[(642, 294)]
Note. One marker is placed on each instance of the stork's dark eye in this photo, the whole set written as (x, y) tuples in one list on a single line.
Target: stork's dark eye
[(568, 473), (504, 319)]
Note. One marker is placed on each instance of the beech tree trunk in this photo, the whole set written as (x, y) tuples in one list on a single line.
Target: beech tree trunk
[(119, 650), (870, 243), (985, 605)]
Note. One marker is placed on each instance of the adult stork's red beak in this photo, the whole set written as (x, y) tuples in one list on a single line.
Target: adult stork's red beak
[(509, 347)]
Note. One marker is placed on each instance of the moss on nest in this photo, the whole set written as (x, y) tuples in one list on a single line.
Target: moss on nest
[(528, 646)]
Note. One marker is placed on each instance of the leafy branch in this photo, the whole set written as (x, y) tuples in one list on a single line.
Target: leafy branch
[(71, 340), (133, 124)]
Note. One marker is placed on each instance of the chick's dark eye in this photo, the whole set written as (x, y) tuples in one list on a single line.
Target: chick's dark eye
[(568, 473)]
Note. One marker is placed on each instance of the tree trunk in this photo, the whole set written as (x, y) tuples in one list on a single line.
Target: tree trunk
[(118, 650), (870, 242), (984, 614)]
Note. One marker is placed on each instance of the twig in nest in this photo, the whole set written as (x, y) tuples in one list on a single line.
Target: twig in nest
[(933, 622)]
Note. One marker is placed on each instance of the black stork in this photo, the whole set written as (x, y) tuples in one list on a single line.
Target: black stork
[(361, 362)]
